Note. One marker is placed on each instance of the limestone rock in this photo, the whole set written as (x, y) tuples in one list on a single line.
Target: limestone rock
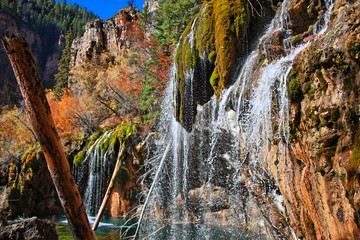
[(322, 190), (104, 36), (151, 6)]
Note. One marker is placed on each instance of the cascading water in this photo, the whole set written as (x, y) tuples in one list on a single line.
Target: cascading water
[(93, 175), (223, 166)]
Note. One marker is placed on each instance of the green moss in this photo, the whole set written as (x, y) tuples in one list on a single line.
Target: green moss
[(205, 31), (93, 137), (353, 47), (212, 56), (186, 59), (311, 94), (345, 68), (297, 39), (354, 164), (226, 36), (323, 83), (104, 144), (219, 25), (308, 90), (80, 157), (122, 132), (294, 87), (214, 79)]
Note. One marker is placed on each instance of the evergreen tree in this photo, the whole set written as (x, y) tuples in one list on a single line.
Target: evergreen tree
[(172, 18), (62, 76)]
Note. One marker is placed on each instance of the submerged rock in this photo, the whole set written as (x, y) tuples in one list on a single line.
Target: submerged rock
[(32, 228)]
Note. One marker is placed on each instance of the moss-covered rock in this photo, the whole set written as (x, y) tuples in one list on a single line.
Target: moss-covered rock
[(30, 189), (294, 87), (206, 54)]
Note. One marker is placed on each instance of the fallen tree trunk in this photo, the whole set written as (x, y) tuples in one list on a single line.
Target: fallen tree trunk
[(109, 189), (28, 79)]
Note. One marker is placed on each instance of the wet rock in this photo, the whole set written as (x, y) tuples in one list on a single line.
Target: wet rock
[(212, 199), (323, 155), (272, 46), (32, 228), (303, 13)]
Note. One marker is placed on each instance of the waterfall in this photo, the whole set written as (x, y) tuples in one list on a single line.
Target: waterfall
[(94, 173), (224, 164)]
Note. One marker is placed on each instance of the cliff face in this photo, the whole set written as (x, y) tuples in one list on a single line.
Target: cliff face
[(47, 64), (325, 138), (105, 36), (151, 6)]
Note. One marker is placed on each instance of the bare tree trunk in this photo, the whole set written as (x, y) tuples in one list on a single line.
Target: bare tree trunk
[(33, 93), (109, 189)]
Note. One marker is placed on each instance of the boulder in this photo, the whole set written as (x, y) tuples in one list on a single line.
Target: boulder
[(32, 228)]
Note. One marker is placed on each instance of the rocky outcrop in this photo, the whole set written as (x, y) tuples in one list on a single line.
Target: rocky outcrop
[(321, 181), (151, 6), (29, 190), (206, 55), (105, 36), (32, 228), (46, 62), (211, 49)]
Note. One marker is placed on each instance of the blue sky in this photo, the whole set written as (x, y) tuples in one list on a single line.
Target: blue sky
[(105, 8)]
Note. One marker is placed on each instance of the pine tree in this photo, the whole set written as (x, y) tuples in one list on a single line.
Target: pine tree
[(62, 76), (172, 18)]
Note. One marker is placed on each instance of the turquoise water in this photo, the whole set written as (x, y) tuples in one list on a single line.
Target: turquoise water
[(199, 232), (111, 228)]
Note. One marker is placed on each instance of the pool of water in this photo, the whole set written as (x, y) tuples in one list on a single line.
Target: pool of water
[(111, 229), (198, 232)]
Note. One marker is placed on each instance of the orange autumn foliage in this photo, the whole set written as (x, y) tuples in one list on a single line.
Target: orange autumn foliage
[(63, 111), (16, 133)]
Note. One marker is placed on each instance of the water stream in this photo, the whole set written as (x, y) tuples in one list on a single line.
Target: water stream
[(221, 167), (93, 174)]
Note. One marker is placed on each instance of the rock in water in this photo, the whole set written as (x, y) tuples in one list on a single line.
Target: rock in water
[(32, 228)]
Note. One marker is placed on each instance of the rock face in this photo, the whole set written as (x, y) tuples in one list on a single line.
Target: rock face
[(151, 6), (46, 63), (323, 199), (28, 190), (206, 54), (124, 197), (105, 36), (32, 228)]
